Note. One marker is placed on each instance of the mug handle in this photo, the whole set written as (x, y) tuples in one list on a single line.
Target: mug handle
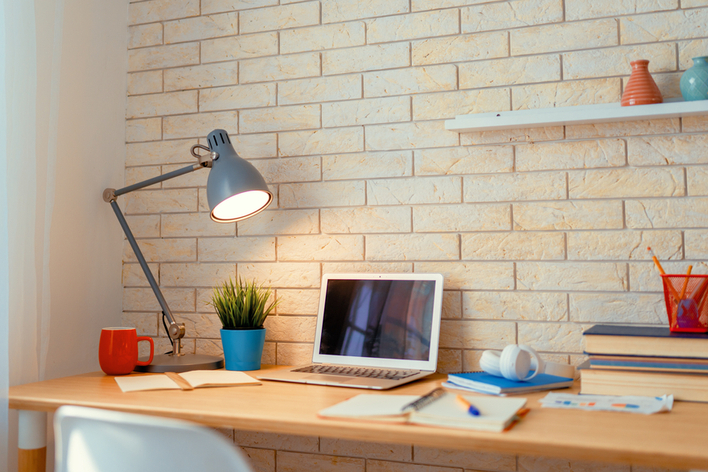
[(152, 349)]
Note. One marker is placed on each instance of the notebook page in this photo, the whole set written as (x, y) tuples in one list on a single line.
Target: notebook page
[(146, 382), (496, 413), (369, 405), (204, 378), (491, 408)]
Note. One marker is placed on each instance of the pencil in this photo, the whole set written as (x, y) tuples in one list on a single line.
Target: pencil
[(674, 294), (703, 302), (685, 282), (697, 292), (656, 261)]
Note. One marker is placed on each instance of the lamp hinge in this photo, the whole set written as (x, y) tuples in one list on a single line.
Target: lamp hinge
[(109, 195), (205, 160)]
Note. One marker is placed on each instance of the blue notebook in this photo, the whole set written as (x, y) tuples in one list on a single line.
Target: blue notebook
[(486, 383)]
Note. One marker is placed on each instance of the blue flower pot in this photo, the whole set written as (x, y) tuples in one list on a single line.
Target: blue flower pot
[(243, 348), (694, 82)]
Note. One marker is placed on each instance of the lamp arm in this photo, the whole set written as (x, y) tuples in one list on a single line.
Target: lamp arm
[(109, 195), (146, 183), (174, 329)]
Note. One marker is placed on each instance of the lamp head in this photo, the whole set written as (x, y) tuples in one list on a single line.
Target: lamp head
[(235, 188)]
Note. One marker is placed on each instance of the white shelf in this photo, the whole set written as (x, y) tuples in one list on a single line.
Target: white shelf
[(578, 115)]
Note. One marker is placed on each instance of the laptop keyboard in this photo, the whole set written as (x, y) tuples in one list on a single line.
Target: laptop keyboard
[(385, 374)]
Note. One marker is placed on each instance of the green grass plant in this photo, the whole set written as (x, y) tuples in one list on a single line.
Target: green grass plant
[(242, 305)]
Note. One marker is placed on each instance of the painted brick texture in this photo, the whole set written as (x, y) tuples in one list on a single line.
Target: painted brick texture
[(341, 104)]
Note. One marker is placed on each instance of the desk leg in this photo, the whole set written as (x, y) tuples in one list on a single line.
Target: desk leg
[(32, 441)]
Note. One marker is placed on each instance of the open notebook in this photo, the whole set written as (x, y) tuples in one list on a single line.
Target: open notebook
[(495, 414), (184, 380), (373, 331)]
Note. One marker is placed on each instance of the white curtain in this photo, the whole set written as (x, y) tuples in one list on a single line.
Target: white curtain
[(62, 99), (4, 273), (20, 76), (26, 172), (25, 216)]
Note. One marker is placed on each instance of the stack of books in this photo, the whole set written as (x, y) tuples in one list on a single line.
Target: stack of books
[(650, 361)]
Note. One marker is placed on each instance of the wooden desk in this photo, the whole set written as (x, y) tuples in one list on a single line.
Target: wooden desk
[(676, 439)]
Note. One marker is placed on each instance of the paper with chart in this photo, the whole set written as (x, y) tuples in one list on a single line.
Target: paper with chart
[(627, 404)]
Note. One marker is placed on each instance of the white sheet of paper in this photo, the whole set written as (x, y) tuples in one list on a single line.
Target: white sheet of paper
[(146, 382)]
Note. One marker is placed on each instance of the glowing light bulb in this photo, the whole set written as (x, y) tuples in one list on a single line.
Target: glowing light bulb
[(241, 206)]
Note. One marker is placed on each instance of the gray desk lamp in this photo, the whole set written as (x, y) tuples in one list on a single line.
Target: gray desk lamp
[(235, 191)]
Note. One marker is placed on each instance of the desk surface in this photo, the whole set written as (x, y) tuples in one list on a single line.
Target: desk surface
[(676, 439)]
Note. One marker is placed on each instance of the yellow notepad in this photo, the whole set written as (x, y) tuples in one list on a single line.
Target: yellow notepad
[(496, 414), (185, 380)]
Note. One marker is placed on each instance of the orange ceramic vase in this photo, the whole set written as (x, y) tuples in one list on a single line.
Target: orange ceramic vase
[(641, 88)]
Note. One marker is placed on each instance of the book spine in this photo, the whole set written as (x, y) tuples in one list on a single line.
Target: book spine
[(684, 394), (645, 346), (610, 382), (649, 366)]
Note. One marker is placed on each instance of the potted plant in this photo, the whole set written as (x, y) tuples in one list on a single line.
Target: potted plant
[(242, 309)]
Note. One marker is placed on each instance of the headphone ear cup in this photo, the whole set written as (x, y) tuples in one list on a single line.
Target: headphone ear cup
[(514, 363), (489, 362), (535, 362)]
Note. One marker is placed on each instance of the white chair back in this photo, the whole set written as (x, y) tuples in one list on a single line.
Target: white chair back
[(93, 440)]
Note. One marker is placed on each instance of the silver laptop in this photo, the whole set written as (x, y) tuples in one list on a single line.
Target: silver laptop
[(373, 331)]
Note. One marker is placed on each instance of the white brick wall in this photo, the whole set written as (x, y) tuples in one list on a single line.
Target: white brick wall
[(341, 104)]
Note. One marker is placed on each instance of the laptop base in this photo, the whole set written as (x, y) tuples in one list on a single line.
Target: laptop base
[(289, 375)]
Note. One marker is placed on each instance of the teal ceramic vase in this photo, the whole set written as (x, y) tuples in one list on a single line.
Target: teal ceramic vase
[(243, 348), (694, 82)]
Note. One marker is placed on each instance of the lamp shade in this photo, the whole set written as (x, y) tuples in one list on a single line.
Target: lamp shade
[(235, 189)]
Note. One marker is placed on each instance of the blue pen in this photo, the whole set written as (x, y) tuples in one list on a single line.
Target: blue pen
[(470, 407)]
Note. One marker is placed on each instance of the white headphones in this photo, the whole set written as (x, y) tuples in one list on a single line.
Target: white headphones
[(515, 362)]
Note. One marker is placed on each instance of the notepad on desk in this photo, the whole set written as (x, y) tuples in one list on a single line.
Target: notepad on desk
[(496, 414), (185, 380), (483, 382)]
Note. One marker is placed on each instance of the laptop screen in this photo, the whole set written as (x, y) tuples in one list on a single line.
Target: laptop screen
[(381, 317)]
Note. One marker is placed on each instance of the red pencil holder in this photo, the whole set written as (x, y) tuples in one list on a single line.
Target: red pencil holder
[(686, 298)]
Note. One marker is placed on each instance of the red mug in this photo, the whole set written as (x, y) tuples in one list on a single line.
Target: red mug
[(118, 350)]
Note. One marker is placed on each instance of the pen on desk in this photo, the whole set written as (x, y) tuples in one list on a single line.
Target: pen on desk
[(470, 407)]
